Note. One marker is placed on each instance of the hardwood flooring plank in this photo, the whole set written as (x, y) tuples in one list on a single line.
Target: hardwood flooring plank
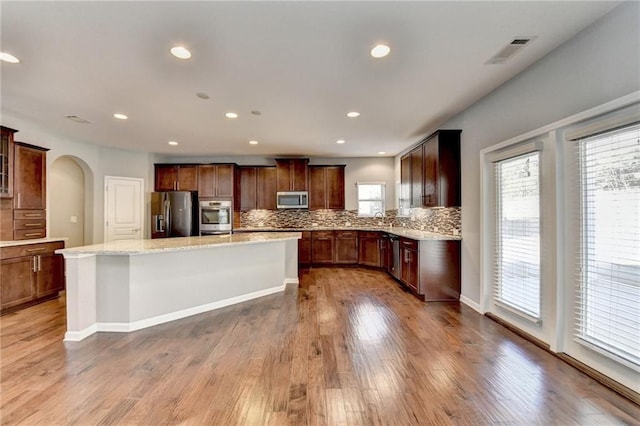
[(348, 346)]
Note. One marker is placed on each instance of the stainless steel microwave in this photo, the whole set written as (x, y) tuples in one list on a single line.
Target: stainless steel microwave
[(292, 200)]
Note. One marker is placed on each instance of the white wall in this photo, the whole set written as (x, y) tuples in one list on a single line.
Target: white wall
[(66, 200), (96, 162), (599, 64), (370, 169)]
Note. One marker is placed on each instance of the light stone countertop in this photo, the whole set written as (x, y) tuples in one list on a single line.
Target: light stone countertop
[(396, 230), (165, 245), (35, 241)]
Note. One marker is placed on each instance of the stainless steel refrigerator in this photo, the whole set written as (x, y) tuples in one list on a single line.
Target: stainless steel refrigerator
[(174, 214)]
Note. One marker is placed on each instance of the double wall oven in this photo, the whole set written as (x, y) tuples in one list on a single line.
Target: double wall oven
[(216, 217)]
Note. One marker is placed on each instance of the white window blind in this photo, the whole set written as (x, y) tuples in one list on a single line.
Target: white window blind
[(370, 198), (517, 235), (608, 305)]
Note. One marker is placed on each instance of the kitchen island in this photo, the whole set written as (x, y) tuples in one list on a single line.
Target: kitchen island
[(124, 286)]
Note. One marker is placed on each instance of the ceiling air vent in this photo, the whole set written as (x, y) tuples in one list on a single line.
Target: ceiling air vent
[(516, 45), (77, 119)]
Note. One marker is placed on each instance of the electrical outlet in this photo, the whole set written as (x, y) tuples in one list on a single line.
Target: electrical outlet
[(435, 229), (260, 224), (314, 224), (422, 227), (347, 224), (73, 219)]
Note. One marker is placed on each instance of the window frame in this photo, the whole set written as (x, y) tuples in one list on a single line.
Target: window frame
[(382, 200)]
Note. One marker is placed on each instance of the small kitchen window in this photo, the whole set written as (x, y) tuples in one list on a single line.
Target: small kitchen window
[(370, 198)]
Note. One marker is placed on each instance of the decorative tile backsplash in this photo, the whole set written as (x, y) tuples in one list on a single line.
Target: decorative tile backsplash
[(441, 220)]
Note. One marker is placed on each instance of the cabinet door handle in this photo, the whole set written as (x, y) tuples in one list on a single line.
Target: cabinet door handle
[(34, 267), (19, 200), (32, 224), (33, 215), (35, 250), (39, 262)]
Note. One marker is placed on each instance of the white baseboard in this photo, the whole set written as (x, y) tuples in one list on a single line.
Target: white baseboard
[(120, 327), (470, 303), (291, 281), (76, 336)]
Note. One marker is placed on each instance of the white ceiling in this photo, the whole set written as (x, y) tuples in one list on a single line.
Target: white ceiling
[(304, 65)]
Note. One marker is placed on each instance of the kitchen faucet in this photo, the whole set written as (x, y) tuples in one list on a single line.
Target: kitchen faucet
[(381, 223)]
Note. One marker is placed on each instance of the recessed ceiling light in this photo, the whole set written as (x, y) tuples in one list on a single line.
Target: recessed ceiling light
[(202, 95), (174, 143), (120, 116), (8, 57), (180, 52), (381, 152), (231, 115), (353, 114), (340, 141), (253, 142), (380, 51)]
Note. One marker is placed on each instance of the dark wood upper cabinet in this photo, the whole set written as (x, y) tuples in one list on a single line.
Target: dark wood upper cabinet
[(187, 178), (430, 173), (441, 179), (326, 187), (216, 180), (292, 174), (6, 162), (266, 184), (248, 188), (174, 177), (166, 177), (257, 188), (416, 176), (405, 182), (30, 175)]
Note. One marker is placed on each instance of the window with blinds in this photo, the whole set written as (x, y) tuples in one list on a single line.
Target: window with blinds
[(517, 235), (370, 199), (608, 305)]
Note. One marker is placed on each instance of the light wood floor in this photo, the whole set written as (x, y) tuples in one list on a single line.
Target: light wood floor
[(348, 347)]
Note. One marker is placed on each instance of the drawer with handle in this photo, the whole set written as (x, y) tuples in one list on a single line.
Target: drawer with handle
[(20, 214), (28, 234), (20, 224), (30, 249), (411, 244)]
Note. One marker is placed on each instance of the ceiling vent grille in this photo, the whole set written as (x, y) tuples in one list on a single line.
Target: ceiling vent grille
[(507, 52), (77, 119)]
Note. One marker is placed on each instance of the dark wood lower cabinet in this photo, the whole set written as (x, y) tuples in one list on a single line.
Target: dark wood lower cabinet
[(385, 252), (304, 248), (410, 263), (428, 268), (346, 247), (440, 275), (322, 243), (30, 272), (370, 249)]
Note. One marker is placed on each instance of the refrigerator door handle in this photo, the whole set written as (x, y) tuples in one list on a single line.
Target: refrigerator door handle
[(167, 218)]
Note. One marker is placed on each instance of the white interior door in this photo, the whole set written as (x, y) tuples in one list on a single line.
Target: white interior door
[(124, 208)]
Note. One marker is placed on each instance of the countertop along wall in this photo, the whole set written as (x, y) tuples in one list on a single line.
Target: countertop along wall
[(600, 64)]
